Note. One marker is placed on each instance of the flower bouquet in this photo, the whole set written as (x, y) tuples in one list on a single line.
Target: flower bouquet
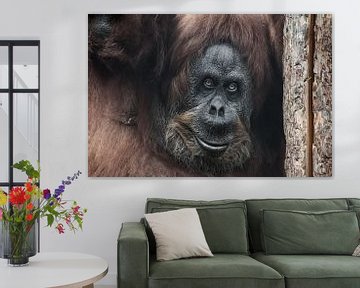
[(21, 208)]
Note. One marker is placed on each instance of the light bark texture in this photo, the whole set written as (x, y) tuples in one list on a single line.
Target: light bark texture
[(307, 95), (296, 81), (322, 96)]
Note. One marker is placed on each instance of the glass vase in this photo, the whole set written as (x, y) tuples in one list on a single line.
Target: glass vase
[(18, 242)]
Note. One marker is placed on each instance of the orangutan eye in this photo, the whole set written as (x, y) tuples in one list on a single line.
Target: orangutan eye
[(209, 83), (232, 87)]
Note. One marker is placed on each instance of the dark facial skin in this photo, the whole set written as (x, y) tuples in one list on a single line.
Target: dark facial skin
[(212, 134), (220, 87)]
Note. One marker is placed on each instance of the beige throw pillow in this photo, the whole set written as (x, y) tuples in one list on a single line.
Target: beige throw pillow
[(357, 251), (178, 234)]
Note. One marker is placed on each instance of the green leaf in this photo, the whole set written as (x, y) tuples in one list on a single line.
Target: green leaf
[(50, 219), (21, 165), (28, 168), (52, 211), (79, 221)]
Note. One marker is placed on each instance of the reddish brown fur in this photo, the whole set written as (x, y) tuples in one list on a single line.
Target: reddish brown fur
[(117, 149)]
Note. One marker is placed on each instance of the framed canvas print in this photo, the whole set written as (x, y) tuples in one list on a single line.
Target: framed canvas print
[(239, 95)]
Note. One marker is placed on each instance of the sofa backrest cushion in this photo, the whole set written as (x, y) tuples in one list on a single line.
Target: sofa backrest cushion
[(298, 232), (256, 205), (354, 205), (223, 221), (353, 201)]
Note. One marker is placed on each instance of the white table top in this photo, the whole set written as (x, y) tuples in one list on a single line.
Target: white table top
[(68, 270)]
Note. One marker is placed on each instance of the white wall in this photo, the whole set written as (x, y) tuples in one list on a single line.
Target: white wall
[(61, 25)]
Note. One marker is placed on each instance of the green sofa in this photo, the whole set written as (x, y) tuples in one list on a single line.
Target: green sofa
[(234, 232)]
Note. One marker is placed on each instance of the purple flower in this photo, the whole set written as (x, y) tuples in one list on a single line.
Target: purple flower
[(68, 181), (46, 194), (58, 192)]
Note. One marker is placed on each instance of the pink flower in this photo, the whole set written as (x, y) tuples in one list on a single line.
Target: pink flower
[(76, 210), (68, 219), (60, 228), (1, 212)]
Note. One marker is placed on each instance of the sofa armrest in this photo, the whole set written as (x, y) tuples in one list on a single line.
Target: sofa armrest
[(133, 256)]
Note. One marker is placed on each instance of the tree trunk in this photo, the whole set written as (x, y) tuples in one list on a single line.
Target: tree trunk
[(322, 97), (307, 104)]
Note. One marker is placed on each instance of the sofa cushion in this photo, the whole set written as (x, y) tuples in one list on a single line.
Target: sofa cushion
[(354, 205), (222, 270), (254, 216), (313, 271), (178, 234), (353, 201), (356, 209), (223, 221), (297, 232)]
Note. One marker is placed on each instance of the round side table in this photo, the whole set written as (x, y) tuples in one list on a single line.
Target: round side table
[(50, 270)]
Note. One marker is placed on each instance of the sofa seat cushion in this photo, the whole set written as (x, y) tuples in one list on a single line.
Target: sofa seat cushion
[(313, 271), (222, 270)]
